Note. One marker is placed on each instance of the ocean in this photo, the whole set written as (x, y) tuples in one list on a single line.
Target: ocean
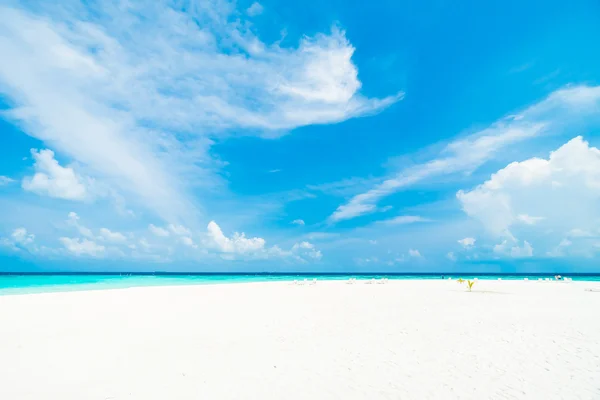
[(42, 283)]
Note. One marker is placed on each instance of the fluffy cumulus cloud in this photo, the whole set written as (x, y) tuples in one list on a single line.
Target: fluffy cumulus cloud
[(158, 231), (238, 243), (255, 9), (551, 115), (18, 240), (306, 250), (177, 243), (21, 236), (511, 248), (188, 241), (113, 237), (82, 247), (467, 242), (414, 253), (74, 221), (298, 222), (143, 113), (238, 246), (561, 191), (51, 179), (179, 230)]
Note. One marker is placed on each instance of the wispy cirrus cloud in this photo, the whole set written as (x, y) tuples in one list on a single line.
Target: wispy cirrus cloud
[(5, 180), (405, 219), (136, 92), (552, 114)]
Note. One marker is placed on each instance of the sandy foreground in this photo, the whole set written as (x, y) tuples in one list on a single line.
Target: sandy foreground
[(400, 340)]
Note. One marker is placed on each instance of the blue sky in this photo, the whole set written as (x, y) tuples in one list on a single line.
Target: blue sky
[(279, 136)]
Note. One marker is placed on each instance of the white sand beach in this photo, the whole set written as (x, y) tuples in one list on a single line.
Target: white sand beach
[(400, 340)]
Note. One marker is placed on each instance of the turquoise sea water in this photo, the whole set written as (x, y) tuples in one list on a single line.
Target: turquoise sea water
[(21, 284)]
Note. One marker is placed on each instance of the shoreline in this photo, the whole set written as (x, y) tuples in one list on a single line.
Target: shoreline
[(43, 283), (100, 286)]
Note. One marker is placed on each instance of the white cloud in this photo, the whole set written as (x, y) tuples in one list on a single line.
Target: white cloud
[(414, 253), (467, 242), (240, 246), (368, 260), (528, 219), (306, 250), (51, 179), (158, 231), (565, 189), (576, 232), (81, 247), (508, 247), (140, 113), (110, 236), (5, 180), (319, 236), (343, 188), (188, 241), (18, 240), (405, 219), (298, 222), (450, 256), (255, 9), (144, 243), (559, 251), (21, 236), (238, 243), (560, 108), (73, 220), (179, 230), (565, 243)]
